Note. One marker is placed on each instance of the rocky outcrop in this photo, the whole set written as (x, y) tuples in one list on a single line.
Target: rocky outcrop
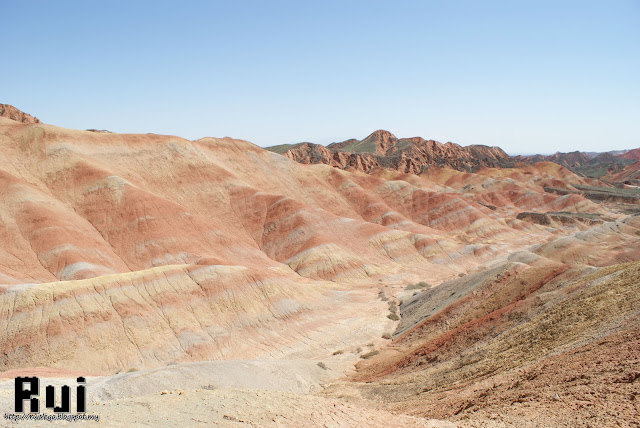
[(382, 149), (538, 218), (13, 113)]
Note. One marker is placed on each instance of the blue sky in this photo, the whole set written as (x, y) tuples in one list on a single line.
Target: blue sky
[(529, 76)]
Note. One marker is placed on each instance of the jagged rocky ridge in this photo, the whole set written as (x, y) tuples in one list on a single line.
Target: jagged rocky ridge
[(382, 149), (13, 113)]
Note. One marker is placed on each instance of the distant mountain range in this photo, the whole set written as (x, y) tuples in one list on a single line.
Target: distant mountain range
[(589, 164), (382, 149)]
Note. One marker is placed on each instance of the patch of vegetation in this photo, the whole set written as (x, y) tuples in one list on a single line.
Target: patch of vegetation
[(418, 286), (600, 169), (612, 190), (133, 369), (356, 146), (323, 366), (393, 317), (369, 354), (281, 148), (491, 207), (559, 190), (338, 352), (600, 193), (102, 131), (387, 336)]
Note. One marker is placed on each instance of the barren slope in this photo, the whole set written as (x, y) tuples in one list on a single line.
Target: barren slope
[(151, 252), (498, 346)]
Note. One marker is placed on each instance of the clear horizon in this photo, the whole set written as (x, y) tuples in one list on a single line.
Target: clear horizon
[(529, 77)]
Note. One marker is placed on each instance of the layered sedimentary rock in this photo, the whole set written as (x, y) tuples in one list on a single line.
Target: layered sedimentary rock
[(531, 340), (10, 112), (217, 248), (382, 149), (467, 291)]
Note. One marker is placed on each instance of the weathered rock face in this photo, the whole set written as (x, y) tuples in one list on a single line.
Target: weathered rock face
[(408, 155), (13, 113)]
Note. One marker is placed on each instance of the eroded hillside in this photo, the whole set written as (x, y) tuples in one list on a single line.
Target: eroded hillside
[(458, 291)]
